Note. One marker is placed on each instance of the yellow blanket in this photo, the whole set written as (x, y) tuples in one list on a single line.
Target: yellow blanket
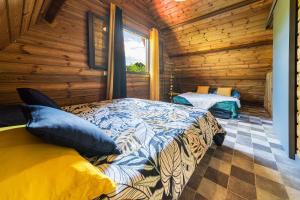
[(31, 169)]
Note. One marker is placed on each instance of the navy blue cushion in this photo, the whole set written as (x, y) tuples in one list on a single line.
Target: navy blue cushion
[(61, 128), (235, 93), (11, 116), (212, 91), (35, 97)]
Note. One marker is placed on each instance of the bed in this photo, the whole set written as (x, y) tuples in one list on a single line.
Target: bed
[(161, 144), (219, 106)]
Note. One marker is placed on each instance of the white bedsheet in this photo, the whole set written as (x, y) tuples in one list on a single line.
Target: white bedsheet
[(206, 101)]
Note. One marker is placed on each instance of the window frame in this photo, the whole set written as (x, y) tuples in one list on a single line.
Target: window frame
[(143, 35), (90, 41)]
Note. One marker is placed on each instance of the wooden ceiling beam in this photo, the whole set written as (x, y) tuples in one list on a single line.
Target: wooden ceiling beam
[(4, 25), (211, 14), (53, 9), (269, 23), (240, 46)]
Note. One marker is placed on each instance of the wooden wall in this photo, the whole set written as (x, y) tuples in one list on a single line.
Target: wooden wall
[(53, 58), (216, 43), (166, 75), (220, 43)]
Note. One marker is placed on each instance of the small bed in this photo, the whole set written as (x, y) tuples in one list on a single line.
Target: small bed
[(225, 107), (161, 144)]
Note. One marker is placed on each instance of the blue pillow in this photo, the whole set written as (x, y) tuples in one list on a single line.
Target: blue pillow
[(61, 128), (212, 91), (235, 93), (35, 97)]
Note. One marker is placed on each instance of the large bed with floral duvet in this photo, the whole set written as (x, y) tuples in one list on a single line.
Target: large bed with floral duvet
[(161, 144)]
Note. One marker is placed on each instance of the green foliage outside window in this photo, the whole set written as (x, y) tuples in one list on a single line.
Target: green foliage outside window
[(136, 67)]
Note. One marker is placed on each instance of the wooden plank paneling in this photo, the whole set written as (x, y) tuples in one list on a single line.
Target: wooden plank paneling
[(243, 69), (36, 12), (242, 26), (15, 9), (16, 17), (218, 43), (53, 58), (4, 25), (138, 85), (166, 75), (28, 9), (169, 13), (215, 12)]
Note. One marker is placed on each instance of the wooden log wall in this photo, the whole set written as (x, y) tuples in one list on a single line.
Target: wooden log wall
[(166, 75), (165, 81), (53, 57), (224, 45)]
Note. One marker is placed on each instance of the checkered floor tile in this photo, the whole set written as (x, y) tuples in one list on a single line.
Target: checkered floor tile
[(251, 164)]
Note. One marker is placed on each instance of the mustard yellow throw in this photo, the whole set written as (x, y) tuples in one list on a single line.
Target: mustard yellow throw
[(31, 169), (202, 89), (224, 91)]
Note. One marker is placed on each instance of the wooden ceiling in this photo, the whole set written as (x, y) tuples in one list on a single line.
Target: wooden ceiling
[(241, 27), (200, 26), (16, 16), (169, 13)]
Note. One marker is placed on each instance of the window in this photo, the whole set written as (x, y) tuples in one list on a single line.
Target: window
[(136, 52)]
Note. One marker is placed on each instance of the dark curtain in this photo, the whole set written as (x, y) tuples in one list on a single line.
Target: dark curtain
[(119, 88)]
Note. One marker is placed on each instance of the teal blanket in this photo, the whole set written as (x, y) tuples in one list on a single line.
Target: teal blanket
[(226, 105)]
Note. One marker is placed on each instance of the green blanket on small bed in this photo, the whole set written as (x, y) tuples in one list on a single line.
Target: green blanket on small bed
[(226, 105)]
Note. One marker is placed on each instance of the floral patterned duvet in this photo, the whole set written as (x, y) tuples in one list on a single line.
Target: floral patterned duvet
[(161, 144)]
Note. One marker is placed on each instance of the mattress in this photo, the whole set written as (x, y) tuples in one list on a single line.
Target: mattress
[(161, 144)]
